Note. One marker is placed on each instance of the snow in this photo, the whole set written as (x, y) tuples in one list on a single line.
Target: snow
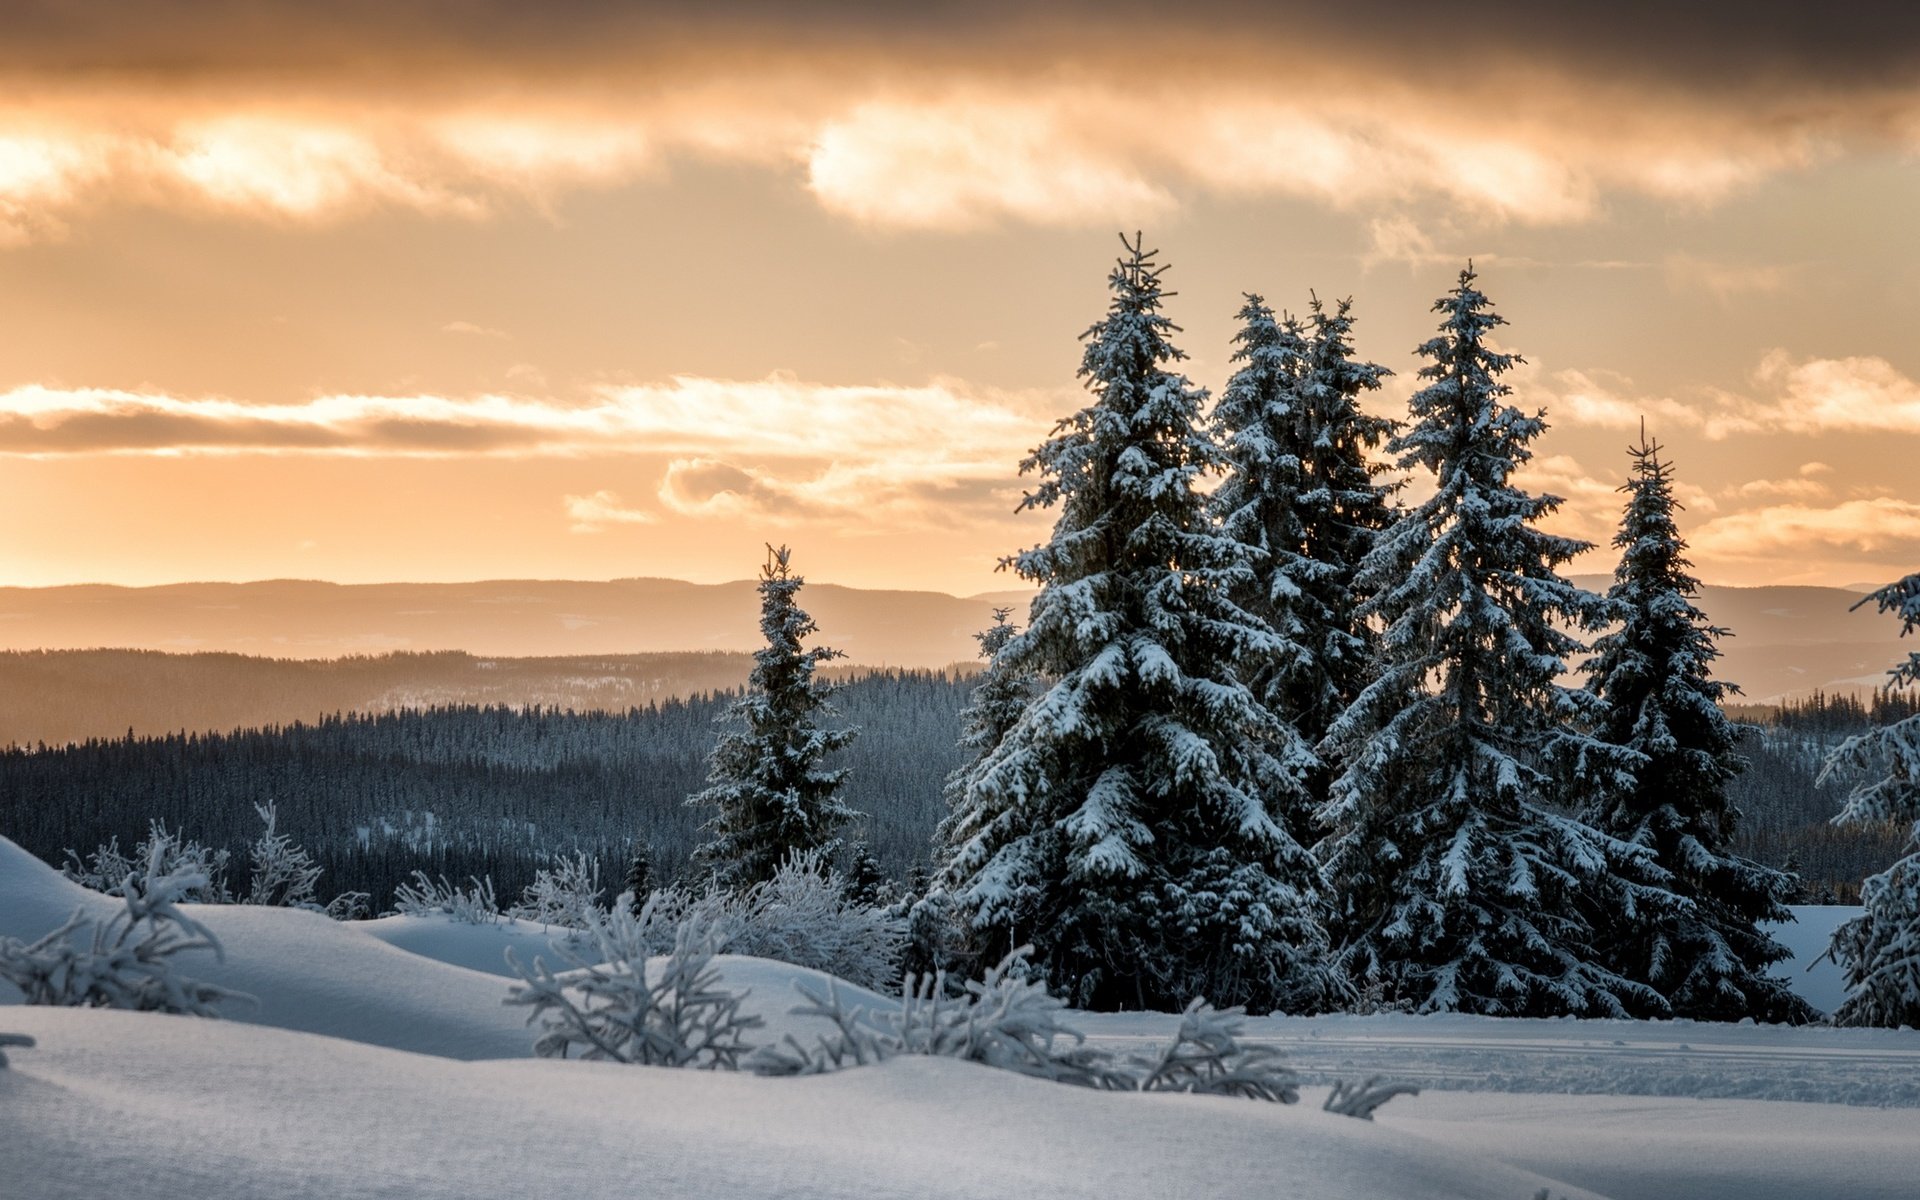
[(356, 1075)]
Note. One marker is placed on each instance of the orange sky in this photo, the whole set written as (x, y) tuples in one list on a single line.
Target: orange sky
[(433, 290)]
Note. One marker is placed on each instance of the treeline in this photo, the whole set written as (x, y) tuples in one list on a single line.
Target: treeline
[(60, 696), (472, 790)]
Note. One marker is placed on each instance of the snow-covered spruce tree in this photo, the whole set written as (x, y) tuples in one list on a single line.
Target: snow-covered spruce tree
[(1301, 491), (770, 793), (936, 939), (1653, 674), (1461, 884), (1121, 825), (1880, 949)]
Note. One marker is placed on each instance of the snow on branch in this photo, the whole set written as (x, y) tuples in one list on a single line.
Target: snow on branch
[(20, 1040), (423, 897), (1362, 1100)]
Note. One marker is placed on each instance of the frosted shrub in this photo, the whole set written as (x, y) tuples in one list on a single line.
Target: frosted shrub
[(1008, 1020), (20, 1040), (567, 894), (283, 873), (1206, 1056), (804, 916), (1003, 1020), (610, 1010), (423, 897), (106, 868), (124, 962)]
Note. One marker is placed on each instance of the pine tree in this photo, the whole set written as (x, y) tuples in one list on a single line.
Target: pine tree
[(994, 706), (771, 794), (1121, 824), (1702, 947), (1300, 490), (1880, 949), (639, 876), (867, 884), (1462, 885)]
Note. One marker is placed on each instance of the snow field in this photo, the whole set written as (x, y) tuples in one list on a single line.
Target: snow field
[(380, 1103)]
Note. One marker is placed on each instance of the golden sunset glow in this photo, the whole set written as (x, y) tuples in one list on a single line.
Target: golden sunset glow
[(433, 291)]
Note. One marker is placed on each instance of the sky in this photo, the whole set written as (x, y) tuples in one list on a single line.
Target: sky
[(464, 289)]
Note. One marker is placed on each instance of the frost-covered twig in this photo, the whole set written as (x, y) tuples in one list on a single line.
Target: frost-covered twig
[(609, 1010), (127, 961), (1364, 1099), (19, 1040), (423, 897)]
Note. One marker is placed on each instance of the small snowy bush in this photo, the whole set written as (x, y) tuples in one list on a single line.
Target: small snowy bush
[(126, 963), (611, 1010), (1003, 1020), (804, 916), (1008, 1020), (107, 868), (283, 873), (567, 894), (423, 897), (12, 1039)]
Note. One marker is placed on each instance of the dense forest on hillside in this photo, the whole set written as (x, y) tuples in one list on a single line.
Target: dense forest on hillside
[(471, 790), (493, 789)]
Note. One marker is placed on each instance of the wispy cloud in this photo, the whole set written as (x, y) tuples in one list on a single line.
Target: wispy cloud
[(592, 514), (1788, 395)]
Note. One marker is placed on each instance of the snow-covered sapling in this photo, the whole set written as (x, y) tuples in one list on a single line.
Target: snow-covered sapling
[(563, 894), (283, 873), (423, 897), (1006, 1019), (107, 867), (610, 1010), (126, 960), (1207, 1056)]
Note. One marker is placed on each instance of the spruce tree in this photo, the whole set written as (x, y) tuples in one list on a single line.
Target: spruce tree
[(1121, 825), (994, 706), (1701, 947), (1462, 885), (1880, 949), (771, 793), (639, 876), (1301, 491)]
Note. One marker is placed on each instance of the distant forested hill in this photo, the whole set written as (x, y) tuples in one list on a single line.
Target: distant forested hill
[(57, 696), (469, 790)]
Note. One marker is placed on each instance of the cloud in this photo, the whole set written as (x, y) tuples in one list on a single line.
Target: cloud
[(1879, 530), (942, 117), (469, 329), (1803, 397), (902, 456), (595, 513), (1724, 281), (1761, 489)]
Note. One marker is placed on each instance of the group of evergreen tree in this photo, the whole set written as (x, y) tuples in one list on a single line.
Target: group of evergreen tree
[(1291, 742)]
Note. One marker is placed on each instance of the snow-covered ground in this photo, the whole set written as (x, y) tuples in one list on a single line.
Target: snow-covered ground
[(355, 1075)]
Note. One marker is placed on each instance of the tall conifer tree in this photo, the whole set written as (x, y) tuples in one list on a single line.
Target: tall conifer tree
[(1301, 491), (1462, 884), (1880, 949), (1653, 672), (1122, 824), (770, 792)]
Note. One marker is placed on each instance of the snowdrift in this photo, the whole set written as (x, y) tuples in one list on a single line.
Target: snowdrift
[(112, 1103)]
